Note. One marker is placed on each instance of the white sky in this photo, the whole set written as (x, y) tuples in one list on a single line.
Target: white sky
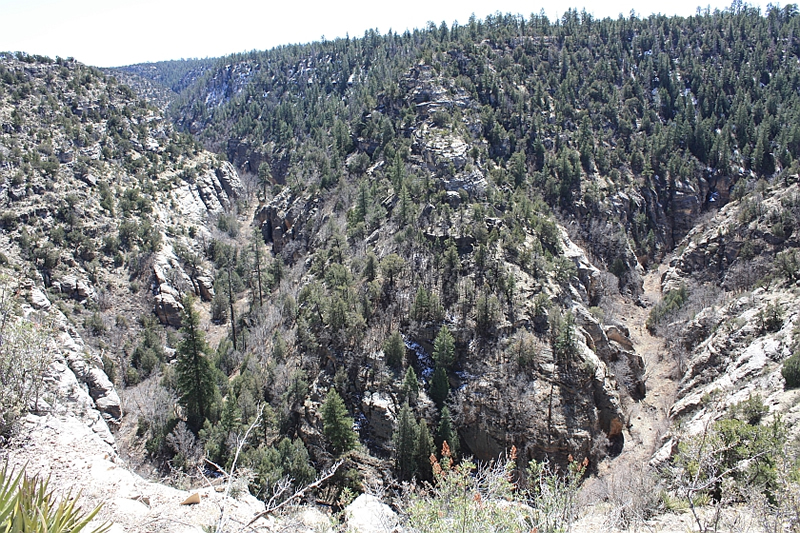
[(108, 33)]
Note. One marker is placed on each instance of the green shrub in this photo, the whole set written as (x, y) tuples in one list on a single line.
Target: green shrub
[(668, 305), (25, 354), (752, 410), (791, 371), (770, 319), (270, 464), (732, 459), (470, 497), (94, 324)]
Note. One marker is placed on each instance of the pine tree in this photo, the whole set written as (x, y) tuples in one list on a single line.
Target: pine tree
[(410, 386), (371, 267), (398, 172), (258, 282), (404, 211), (193, 371), (362, 203), (264, 176), (336, 424), (444, 348), (564, 343), (425, 448), (452, 265), (446, 433), (394, 349), (392, 265), (440, 386), (405, 442)]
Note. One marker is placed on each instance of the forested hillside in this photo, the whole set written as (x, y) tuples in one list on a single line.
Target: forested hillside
[(440, 244), (416, 185), (672, 110)]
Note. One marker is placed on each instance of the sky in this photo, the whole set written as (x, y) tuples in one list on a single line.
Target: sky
[(107, 33)]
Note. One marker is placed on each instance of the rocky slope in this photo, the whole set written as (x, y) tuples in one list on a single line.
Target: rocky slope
[(505, 184), (108, 200), (741, 272), (98, 192)]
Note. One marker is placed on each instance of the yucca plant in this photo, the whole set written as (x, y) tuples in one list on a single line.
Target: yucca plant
[(27, 505)]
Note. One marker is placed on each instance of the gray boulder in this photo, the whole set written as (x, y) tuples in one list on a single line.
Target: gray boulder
[(367, 514)]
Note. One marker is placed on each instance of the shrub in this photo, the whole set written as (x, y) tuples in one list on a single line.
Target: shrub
[(24, 356), (94, 324), (28, 504), (287, 459), (770, 319), (467, 497), (470, 497), (791, 371), (668, 305), (729, 460)]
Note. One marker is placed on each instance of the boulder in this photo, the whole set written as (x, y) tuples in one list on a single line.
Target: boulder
[(168, 309), (104, 394), (377, 407), (77, 288), (204, 284), (38, 299), (367, 514)]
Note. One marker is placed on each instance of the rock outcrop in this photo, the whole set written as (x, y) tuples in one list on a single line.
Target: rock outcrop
[(76, 379), (168, 309), (284, 219), (740, 359), (741, 236), (732, 345), (556, 409), (80, 289)]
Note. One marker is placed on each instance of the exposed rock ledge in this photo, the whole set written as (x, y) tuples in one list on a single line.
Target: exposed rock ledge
[(76, 378)]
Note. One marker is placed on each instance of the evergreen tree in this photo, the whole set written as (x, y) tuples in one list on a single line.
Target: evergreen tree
[(371, 266), (392, 265), (452, 265), (425, 448), (405, 439), (404, 211), (446, 433), (257, 283), (264, 176), (564, 343), (444, 348), (193, 371), (487, 311), (362, 203), (398, 172), (336, 424), (440, 386), (410, 386), (394, 349)]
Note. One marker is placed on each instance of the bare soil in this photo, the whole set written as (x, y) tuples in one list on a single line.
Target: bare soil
[(648, 419)]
